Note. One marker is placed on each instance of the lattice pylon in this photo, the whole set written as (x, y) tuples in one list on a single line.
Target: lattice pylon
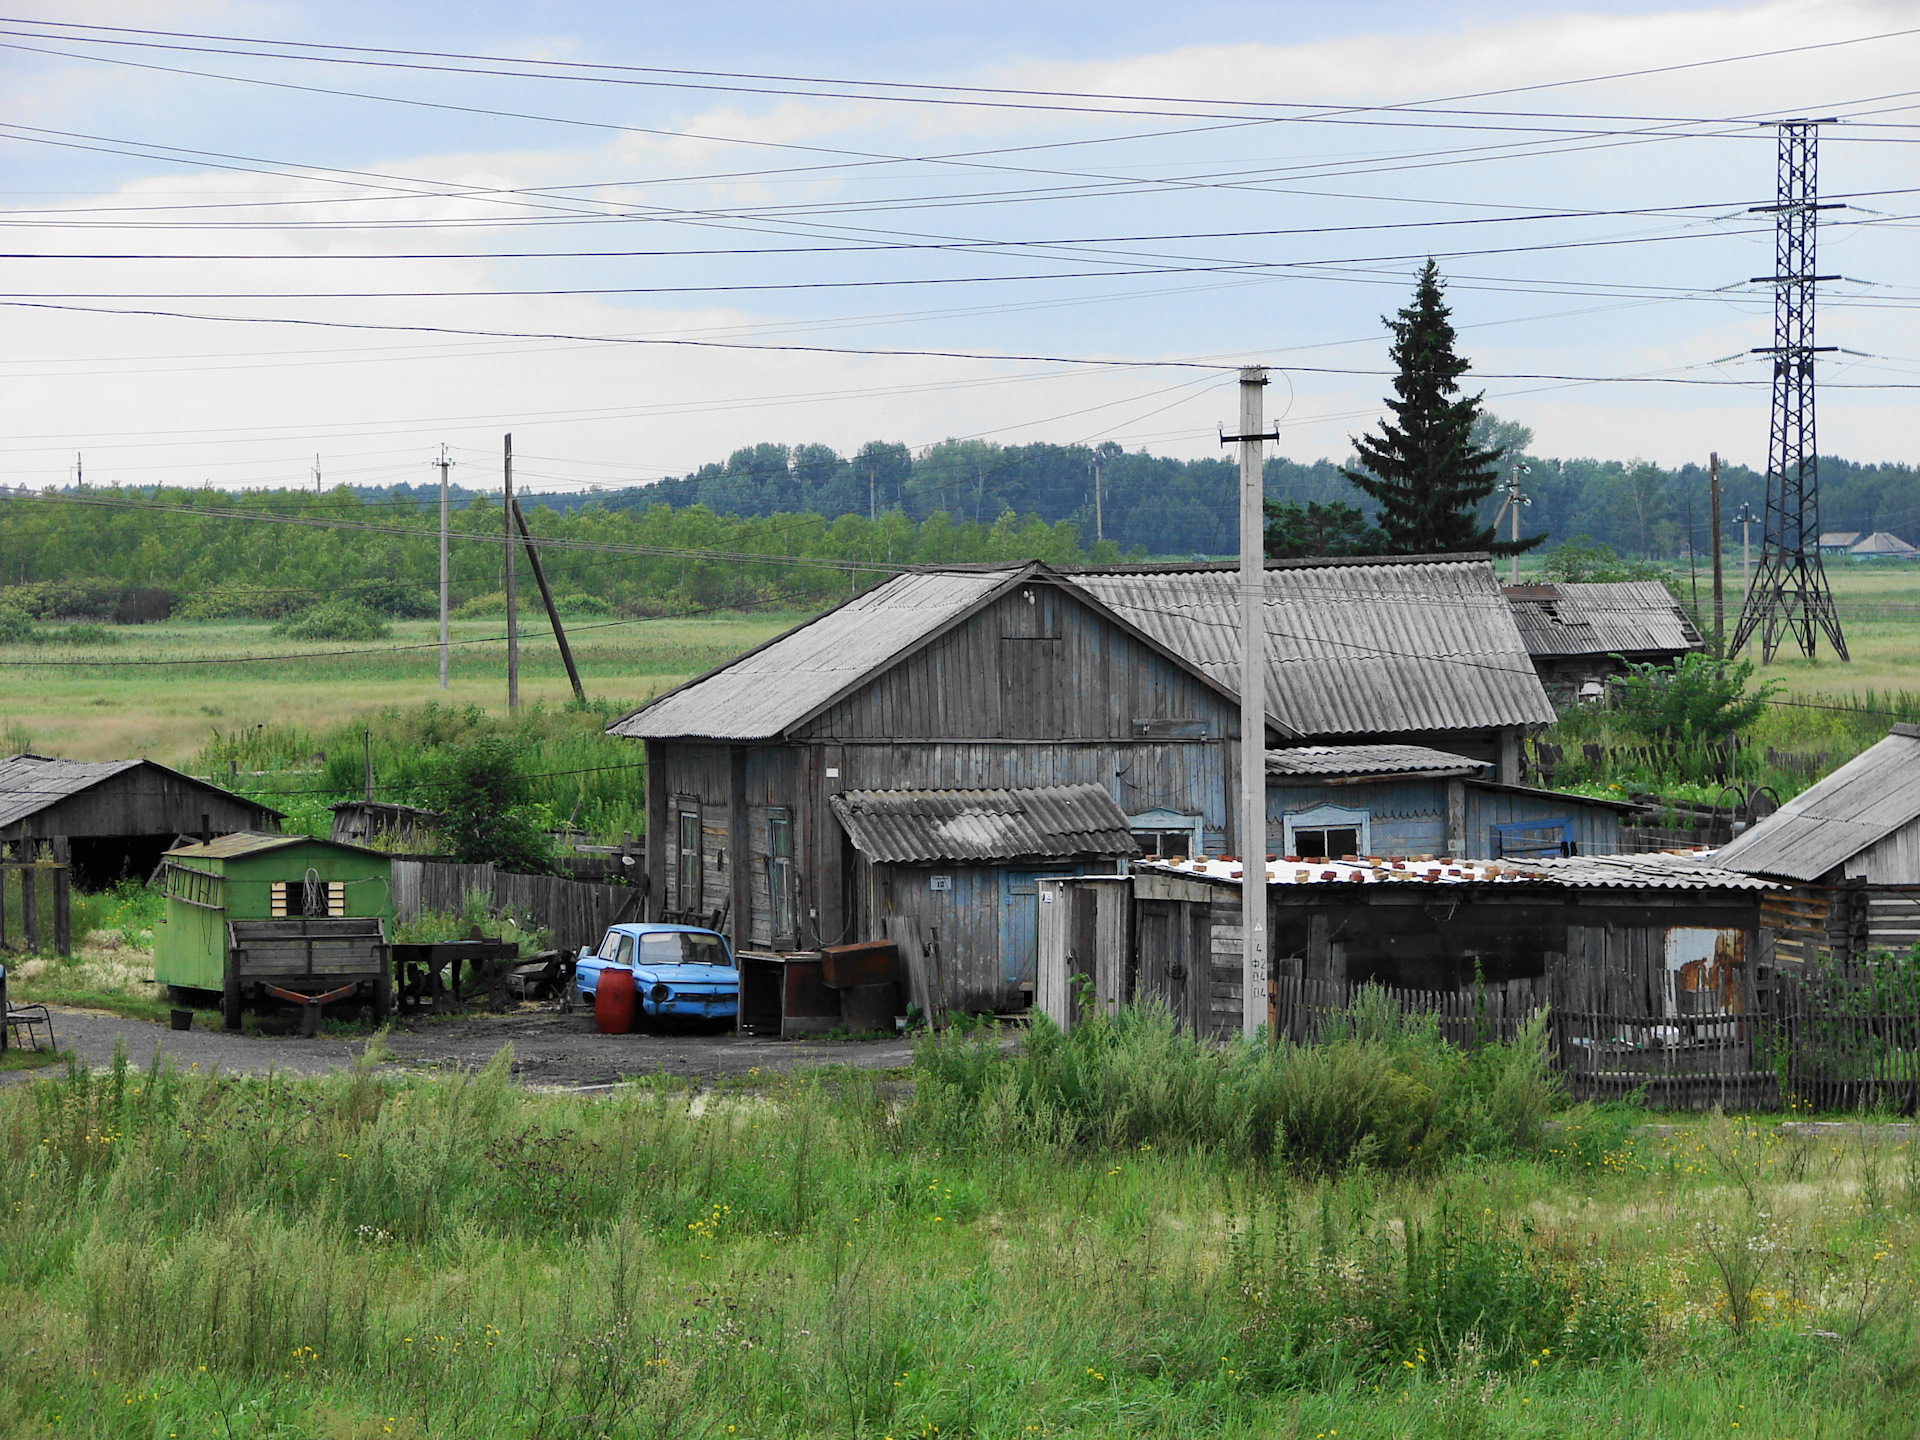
[(1790, 598)]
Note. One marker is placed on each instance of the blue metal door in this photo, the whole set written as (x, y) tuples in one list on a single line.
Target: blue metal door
[(1020, 922)]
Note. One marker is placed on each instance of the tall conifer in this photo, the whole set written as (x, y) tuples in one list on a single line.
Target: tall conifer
[(1423, 469)]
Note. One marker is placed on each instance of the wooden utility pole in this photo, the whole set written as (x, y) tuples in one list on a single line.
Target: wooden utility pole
[(1719, 589), (513, 599), (445, 464), (546, 599), (1099, 520), (1253, 705)]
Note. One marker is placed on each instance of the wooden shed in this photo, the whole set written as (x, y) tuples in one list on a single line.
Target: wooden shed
[(965, 866), (1655, 966), (288, 917), (1583, 633), (1851, 843), (118, 817)]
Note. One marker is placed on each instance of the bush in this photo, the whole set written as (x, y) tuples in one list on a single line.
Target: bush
[(487, 799), (16, 626), (335, 620)]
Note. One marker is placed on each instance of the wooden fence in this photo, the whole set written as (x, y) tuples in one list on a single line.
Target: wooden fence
[(1300, 1008), (1844, 1036), (573, 912), (36, 911)]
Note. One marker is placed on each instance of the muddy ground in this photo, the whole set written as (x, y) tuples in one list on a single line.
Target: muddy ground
[(549, 1048)]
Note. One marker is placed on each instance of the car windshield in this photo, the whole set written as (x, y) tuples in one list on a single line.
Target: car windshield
[(681, 948)]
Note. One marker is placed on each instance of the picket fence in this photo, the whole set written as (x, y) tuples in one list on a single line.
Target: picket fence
[(572, 912)]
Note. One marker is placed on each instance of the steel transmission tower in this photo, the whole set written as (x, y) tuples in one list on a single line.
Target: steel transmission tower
[(1789, 598)]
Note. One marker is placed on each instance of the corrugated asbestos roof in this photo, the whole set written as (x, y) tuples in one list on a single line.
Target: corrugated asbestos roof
[(1312, 761), (905, 827), (783, 682), (1861, 803), (1695, 871), (1880, 542), (1352, 648), (1617, 617), (30, 783)]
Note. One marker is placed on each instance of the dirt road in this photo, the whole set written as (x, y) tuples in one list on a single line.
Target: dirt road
[(549, 1048)]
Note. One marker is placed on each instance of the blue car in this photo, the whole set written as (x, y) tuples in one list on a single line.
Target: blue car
[(679, 971)]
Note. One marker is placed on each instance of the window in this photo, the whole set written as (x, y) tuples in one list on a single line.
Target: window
[(673, 947), (1533, 839), (1327, 832), (686, 886), (617, 948), (313, 896), (1165, 834), (780, 896)]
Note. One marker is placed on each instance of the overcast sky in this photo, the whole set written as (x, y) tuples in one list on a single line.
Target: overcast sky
[(1209, 183)]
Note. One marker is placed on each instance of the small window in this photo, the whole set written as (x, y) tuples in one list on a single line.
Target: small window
[(1327, 832), (292, 899), (1164, 844), (686, 893), (1326, 844), (1533, 839), (780, 888)]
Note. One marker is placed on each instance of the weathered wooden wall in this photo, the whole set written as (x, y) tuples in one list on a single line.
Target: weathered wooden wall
[(1596, 828), (575, 913), (147, 800)]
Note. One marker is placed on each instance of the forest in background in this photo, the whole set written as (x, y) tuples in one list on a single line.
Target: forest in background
[(213, 554)]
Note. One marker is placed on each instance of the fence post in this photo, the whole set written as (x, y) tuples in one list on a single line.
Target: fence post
[(62, 899), (29, 903)]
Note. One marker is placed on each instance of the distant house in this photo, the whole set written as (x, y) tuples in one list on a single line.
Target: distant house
[(1582, 634), (1839, 542), (1855, 838), (1881, 545), (116, 817), (1033, 683)]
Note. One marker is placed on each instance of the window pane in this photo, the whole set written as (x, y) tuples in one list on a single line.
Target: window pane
[(1343, 842), (1175, 843), (1310, 844)]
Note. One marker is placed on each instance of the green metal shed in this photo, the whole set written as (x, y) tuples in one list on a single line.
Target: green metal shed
[(288, 916)]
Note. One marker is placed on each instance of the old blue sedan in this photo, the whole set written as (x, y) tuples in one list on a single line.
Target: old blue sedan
[(679, 971)]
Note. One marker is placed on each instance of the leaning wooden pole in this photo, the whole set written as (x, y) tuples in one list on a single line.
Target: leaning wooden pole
[(546, 598)]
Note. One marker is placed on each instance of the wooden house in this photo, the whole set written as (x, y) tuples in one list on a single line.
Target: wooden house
[(1335, 800), (279, 915), (115, 818), (1851, 842), (1582, 634), (1020, 678), (1655, 966)]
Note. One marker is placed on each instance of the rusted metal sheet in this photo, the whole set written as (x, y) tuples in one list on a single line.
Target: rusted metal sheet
[(1353, 647), (1859, 806), (922, 826)]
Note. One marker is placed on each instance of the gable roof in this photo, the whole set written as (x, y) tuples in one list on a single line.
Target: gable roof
[(32, 783), (794, 675), (1355, 646), (1838, 539), (246, 842), (1612, 617), (1880, 542), (1858, 805), (914, 826)]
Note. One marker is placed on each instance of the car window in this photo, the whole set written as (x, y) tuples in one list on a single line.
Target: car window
[(680, 948), (623, 955)]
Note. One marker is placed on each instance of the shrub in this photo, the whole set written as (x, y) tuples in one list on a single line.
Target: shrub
[(335, 620), (16, 626), (488, 803)]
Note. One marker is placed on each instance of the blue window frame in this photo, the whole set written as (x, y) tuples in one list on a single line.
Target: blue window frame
[(1534, 839)]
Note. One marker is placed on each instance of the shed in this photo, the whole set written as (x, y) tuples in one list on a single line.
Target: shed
[(1411, 800), (1655, 966), (386, 825), (1581, 634), (965, 867), (1853, 841), (250, 915), (117, 816)]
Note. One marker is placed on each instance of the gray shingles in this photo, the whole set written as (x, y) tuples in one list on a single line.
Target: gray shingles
[(917, 826), (1317, 760), (1861, 803), (1622, 617)]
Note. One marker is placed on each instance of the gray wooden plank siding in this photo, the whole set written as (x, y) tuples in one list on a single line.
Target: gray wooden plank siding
[(1025, 669), (1596, 830)]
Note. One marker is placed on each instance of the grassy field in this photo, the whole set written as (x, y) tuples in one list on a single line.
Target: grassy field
[(1065, 1244), (95, 703)]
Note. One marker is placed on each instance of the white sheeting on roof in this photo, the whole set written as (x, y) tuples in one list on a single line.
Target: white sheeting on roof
[(1352, 648), (1690, 871), (910, 826)]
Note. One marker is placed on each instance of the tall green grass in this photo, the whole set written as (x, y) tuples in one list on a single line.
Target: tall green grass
[(367, 1255)]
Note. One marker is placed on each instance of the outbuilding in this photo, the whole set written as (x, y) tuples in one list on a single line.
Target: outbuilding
[(274, 916), (116, 817), (1582, 634)]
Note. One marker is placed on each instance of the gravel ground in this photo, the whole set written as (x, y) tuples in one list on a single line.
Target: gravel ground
[(549, 1048)]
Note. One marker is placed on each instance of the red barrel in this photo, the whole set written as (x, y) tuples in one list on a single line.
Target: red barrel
[(613, 1002)]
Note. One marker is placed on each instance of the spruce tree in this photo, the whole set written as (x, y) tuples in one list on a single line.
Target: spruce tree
[(1423, 469)]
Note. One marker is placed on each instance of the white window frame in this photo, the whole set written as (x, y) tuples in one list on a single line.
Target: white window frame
[(1166, 822), (1329, 817)]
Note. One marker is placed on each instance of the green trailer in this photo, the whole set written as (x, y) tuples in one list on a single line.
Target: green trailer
[(254, 917)]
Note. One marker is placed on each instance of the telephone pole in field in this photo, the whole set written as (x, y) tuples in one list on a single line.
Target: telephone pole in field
[(1719, 584), (445, 465), (513, 606), (1253, 702), (1790, 599)]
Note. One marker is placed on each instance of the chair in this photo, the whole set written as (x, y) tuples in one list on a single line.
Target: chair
[(25, 1022)]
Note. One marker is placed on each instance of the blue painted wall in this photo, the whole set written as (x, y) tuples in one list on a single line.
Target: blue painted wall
[(1409, 817)]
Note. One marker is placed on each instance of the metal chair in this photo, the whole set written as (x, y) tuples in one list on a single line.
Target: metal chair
[(25, 1022)]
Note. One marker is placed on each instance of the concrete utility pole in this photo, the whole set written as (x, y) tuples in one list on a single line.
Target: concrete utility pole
[(1745, 520), (445, 464), (1719, 585), (1253, 704), (316, 472), (1513, 503), (513, 605), (1099, 520)]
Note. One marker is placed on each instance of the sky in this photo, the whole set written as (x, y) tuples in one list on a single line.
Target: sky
[(246, 239)]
